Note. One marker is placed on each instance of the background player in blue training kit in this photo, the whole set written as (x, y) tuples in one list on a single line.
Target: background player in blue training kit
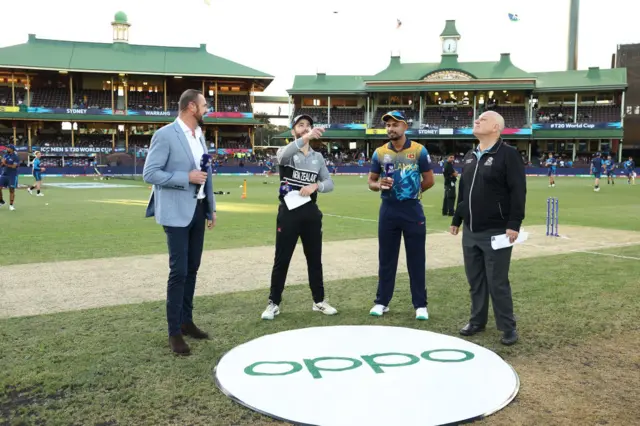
[(609, 166), (551, 163), (406, 170), (37, 174), (596, 169), (9, 175), (629, 168)]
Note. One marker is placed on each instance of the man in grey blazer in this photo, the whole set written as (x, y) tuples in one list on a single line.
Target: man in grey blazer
[(182, 201)]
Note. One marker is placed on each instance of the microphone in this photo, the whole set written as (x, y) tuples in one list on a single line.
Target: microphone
[(205, 163)]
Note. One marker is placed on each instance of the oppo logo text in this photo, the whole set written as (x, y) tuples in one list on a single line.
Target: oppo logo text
[(315, 368)]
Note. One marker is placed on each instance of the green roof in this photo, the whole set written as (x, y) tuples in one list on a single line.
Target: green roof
[(502, 69), (120, 18), (450, 29), (322, 83), (593, 78), (471, 75), (122, 58)]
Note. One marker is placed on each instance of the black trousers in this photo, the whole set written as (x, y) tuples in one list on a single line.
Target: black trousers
[(488, 275), (185, 252), (304, 222), (449, 201)]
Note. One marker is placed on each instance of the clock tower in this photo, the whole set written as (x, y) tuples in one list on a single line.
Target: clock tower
[(450, 38)]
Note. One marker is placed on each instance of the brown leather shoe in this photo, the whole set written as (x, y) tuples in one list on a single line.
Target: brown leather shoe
[(178, 345), (190, 329)]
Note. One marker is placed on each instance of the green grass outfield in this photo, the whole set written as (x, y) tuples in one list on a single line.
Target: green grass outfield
[(85, 223), (577, 313)]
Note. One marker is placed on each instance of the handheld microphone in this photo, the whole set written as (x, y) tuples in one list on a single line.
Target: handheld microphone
[(205, 163), (389, 170)]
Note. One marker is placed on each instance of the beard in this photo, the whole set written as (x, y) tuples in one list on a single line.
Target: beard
[(394, 136), (200, 121)]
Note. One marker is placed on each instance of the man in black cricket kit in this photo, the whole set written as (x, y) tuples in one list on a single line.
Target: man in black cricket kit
[(450, 177), (301, 169), (491, 201)]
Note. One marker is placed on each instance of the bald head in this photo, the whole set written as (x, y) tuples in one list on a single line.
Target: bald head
[(495, 118), (490, 124)]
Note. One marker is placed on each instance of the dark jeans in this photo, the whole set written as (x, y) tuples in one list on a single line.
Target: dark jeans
[(305, 223), (185, 251), (488, 275), (402, 219)]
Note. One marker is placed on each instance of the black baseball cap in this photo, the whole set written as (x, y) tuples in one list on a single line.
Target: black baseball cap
[(396, 115), (300, 117)]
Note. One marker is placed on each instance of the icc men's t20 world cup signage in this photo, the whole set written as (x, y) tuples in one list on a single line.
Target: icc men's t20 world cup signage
[(365, 375)]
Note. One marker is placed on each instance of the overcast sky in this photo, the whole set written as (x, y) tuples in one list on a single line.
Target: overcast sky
[(288, 37)]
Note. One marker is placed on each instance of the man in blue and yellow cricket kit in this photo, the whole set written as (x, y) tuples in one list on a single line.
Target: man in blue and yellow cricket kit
[(406, 172)]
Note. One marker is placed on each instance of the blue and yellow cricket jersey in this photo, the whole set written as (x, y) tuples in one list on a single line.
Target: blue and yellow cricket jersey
[(408, 165)]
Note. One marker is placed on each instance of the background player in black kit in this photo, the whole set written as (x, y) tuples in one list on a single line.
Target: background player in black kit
[(301, 169), (450, 176)]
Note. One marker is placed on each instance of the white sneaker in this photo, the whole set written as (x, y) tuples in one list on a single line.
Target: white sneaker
[(30, 191), (325, 308), (40, 195), (378, 310), (271, 311), (422, 314), (11, 208)]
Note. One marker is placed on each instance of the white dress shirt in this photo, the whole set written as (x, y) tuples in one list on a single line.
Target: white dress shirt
[(196, 147)]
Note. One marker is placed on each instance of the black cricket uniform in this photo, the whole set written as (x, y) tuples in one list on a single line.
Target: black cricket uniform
[(296, 172), (448, 203)]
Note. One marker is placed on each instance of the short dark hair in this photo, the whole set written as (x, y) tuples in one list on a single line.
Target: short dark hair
[(188, 96)]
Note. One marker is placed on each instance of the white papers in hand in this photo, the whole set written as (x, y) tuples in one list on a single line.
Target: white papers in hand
[(502, 241), (293, 200)]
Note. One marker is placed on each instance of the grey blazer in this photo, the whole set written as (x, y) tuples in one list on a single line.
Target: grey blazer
[(169, 161)]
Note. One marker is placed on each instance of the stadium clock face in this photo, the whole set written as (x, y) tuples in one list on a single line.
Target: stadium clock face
[(449, 45)]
